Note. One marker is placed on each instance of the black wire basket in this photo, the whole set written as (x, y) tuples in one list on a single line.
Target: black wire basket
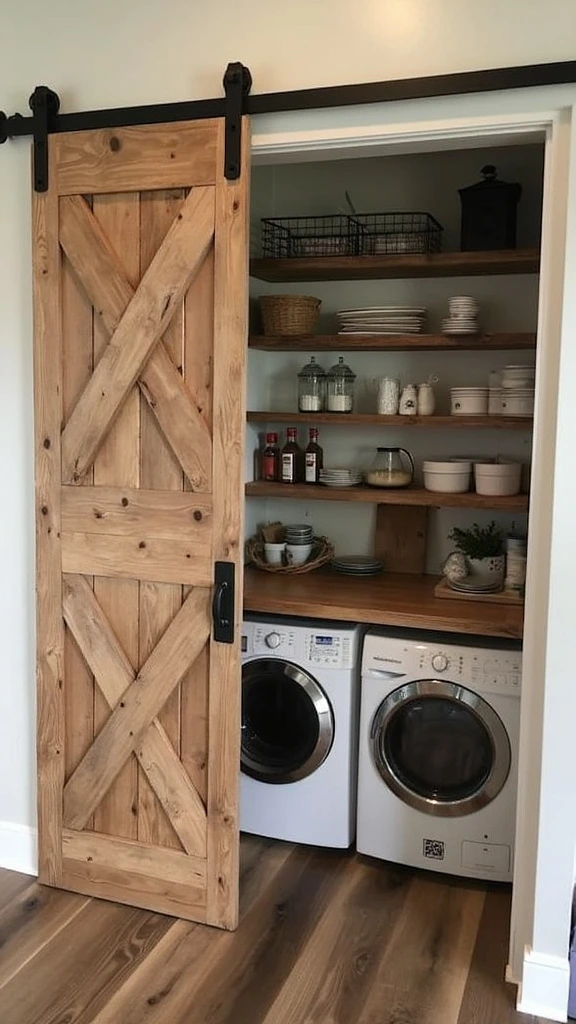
[(301, 237), (397, 234), (364, 234)]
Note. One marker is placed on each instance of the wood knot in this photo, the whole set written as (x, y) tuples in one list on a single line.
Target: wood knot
[(44, 510), (97, 514), (235, 205), (142, 544), (46, 442), (114, 143), (125, 502), (198, 515)]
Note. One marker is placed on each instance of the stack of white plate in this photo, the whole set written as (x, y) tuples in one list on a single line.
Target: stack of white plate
[(358, 565), (382, 320), (471, 586), (463, 318), (340, 477)]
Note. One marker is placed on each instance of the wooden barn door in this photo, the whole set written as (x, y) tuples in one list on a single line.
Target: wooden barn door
[(140, 274)]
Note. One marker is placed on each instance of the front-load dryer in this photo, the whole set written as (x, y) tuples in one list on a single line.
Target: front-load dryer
[(300, 706), (438, 755)]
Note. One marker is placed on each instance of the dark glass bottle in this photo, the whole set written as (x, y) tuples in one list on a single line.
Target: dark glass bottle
[(314, 458), (271, 458), (292, 459)]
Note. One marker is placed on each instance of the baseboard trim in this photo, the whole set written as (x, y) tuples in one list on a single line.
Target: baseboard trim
[(18, 848), (545, 986)]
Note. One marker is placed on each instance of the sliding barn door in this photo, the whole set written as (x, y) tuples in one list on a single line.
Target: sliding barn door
[(140, 274)]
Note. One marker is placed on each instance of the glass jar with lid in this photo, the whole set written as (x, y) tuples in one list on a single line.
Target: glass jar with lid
[(311, 387), (392, 467), (340, 380)]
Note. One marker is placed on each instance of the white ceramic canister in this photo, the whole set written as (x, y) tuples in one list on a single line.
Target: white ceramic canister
[(388, 396), (409, 400), (426, 400)]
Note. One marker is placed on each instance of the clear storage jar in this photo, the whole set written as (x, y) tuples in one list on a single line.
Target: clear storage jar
[(340, 380), (311, 387)]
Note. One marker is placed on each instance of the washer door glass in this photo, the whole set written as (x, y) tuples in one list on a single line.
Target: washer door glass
[(440, 747), (287, 721)]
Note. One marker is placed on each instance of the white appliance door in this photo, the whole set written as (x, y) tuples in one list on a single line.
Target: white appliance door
[(440, 747), (287, 721)]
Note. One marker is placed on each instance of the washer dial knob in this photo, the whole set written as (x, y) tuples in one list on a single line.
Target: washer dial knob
[(273, 640), (439, 662)]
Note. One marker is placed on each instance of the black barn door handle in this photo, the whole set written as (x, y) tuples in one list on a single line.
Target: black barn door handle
[(223, 602)]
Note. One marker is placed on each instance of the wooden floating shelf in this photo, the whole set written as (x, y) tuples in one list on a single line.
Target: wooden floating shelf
[(357, 268), (363, 419), (382, 496), (391, 599), (392, 343)]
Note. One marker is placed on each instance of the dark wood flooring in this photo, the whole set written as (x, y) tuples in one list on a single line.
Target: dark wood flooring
[(325, 938)]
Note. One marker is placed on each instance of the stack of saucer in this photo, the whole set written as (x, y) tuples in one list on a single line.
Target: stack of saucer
[(299, 534), (471, 585), (358, 565), (463, 318), (340, 477)]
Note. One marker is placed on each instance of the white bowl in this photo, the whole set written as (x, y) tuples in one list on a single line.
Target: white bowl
[(297, 554), (500, 478), (447, 477), (518, 405), (469, 405), (274, 553)]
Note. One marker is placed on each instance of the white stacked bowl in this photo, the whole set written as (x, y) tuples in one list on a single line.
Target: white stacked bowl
[(518, 377), (446, 477), (469, 401), (498, 478), (518, 402)]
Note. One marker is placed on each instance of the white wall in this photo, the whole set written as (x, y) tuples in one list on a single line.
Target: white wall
[(425, 181)]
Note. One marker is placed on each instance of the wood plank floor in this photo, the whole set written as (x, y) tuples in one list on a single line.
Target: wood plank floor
[(325, 938)]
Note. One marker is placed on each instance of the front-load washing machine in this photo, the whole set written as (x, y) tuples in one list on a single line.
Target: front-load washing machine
[(300, 706), (439, 728)]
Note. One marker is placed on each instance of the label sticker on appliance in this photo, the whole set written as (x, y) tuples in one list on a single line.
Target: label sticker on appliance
[(433, 849)]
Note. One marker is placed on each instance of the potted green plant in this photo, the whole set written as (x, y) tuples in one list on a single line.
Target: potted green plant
[(483, 548)]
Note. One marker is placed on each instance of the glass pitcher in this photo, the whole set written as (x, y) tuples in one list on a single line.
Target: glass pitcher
[(392, 467)]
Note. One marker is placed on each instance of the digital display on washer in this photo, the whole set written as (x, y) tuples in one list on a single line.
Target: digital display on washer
[(244, 644), (324, 641)]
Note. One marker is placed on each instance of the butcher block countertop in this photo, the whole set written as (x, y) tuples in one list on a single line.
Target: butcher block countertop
[(390, 599)]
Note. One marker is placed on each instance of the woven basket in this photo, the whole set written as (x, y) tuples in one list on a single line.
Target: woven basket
[(322, 552), (289, 314)]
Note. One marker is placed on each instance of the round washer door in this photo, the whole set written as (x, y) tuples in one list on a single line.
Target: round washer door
[(440, 747), (287, 721)]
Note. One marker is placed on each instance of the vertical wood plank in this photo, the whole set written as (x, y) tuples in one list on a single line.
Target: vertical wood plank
[(400, 539), (118, 464), (229, 400), (159, 468), (77, 365), (198, 372), (49, 622)]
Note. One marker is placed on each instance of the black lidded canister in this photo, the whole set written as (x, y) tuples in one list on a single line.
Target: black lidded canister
[(489, 210)]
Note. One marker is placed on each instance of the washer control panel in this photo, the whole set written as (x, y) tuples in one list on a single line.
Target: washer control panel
[(315, 645), (274, 640), (330, 650), (483, 669)]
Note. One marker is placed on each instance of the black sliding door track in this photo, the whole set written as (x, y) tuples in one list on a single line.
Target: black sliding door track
[(46, 118)]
